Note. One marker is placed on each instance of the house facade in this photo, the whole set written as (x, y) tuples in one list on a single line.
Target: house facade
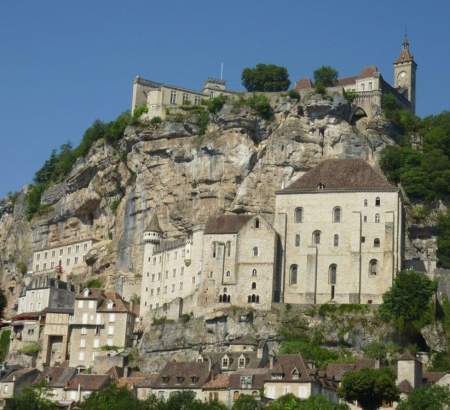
[(341, 231)]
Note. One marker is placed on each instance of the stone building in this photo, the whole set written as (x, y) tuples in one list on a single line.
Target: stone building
[(160, 98), (100, 319), (45, 292), (341, 234), (369, 85), (171, 268), (14, 381), (62, 259)]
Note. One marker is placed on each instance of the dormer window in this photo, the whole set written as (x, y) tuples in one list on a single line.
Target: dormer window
[(295, 374), (320, 186), (86, 292), (194, 379), (110, 304), (225, 362), (180, 379), (165, 379), (242, 362)]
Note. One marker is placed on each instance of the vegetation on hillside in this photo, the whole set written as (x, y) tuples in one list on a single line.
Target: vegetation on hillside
[(265, 77), (427, 398), (324, 76)]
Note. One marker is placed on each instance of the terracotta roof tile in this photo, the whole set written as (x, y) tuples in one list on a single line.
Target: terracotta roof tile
[(290, 368), (57, 376), (334, 175), (433, 377), (226, 224), (89, 382), (179, 375), (304, 84)]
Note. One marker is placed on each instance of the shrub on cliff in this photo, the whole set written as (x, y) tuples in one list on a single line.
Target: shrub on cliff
[(265, 77), (325, 76), (260, 105)]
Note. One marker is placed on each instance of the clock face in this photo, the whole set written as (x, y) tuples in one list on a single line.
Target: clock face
[(402, 75)]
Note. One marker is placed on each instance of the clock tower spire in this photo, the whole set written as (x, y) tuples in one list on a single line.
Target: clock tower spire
[(405, 73)]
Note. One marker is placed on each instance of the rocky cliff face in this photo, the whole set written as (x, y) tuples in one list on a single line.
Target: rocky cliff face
[(184, 177)]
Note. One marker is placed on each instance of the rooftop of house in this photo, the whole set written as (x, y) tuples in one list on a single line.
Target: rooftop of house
[(254, 379), (290, 368), (56, 376), (16, 374), (226, 224), (176, 375), (335, 371), (104, 298), (88, 382), (251, 360), (45, 282), (148, 380), (340, 175)]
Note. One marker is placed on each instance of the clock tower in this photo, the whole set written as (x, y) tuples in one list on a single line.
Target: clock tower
[(405, 74)]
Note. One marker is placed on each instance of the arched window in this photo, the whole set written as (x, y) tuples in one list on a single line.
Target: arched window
[(249, 299), (257, 223), (220, 298), (298, 215), (373, 267), (214, 250), (228, 274), (336, 240), (228, 298), (377, 218), (297, 240), (316, 238), (253, 285), (337, 214), (241, 362), (228, 248), (254, 272), (257, 299), (332, 274), (376, 243), (253, 298), (293, 273), (377, 201), (365, 202), (255, 251), (225, 362)]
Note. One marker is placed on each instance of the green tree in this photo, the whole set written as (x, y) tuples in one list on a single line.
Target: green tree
[(427, 398), (369, 387), (32, 398), (246, 402), (265, 77), (286, 402), (325, 76), (443, 241), (290, 402), (408, 302), (111, 398), (261, 105)]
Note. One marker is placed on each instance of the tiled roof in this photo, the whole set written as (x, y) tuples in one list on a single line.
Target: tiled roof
[(251, 358), (433, 377), (119, 305), (407, 356), (153, 226), (180, 375), (226, 224), (93, 294), (88, 382), (340, 175), (57, 376), (285, 368), (335, 371), (304, 84), (148, 380), (220, 381), (414, 264), (17, 374), (258, 377), (347, 80)]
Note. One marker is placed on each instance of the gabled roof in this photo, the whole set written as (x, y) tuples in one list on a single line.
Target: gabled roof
[(17, 374), (340, 175), (226, 224), (286, 365), (148, 380), (119, 305), (407, 356), (88, 382), (57, 376), (180, 375), (405, 55), (405, 387), (335, 371)]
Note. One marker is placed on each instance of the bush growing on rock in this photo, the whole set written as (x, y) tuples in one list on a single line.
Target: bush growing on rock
[(325, 76), (261, 105)]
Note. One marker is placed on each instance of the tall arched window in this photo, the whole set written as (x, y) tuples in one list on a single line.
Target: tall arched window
[(253, 285), (228, 248), (377, 201), (297, 240), (257, 223), (336, 240), (365, 202), (332, 274), (316, 237), (376, 243), (337, 214), (214, 250), (254, 272), (373, 267), (298, 215), (293, 274), (377, 218), (255, 251)]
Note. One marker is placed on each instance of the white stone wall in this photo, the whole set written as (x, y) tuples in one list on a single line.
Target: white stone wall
[(170, 274), (352, 256), (69, 256)]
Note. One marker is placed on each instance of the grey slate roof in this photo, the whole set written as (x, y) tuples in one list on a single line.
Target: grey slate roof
[(226, 224)]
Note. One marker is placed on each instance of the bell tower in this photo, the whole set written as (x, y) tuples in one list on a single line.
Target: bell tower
[(405, 74)]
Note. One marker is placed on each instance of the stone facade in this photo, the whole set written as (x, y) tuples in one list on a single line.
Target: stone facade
[(44, 292), (160, 98), (341, 234), (100, 319), (62, 259)]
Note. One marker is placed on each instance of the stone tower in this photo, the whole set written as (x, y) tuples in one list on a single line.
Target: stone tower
[(405, 74), (152, 235)]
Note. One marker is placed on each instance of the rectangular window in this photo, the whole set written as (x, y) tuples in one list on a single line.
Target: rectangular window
[(77, 248), (112, 317), (76, 260), (68, 261), (45, 255), (69, 250), (61, 252), (370, 85), (173, 97), (53, 254), (45, 266), (96, 342), (81, 356), (52, 264), (186, 99), (91, 304), (297, 240), (83, 331), (110, 330), (153, 277), (182, 270), (84, 318), (151, 292), (94, 354), (80, 303), (85, 246), (158, 291), (38, 256), (98, 319), (165, 289), (82, 343), (167, 274), (37, 268), (109, 342)]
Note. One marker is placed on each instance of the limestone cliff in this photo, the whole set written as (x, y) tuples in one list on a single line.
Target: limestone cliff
[(170, 169)]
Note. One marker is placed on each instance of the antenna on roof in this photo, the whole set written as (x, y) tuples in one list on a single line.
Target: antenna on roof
[(221, 71)]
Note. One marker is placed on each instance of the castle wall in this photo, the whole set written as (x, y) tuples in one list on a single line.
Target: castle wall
[(355, 248)]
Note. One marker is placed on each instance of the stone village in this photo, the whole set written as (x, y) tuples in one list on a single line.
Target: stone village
[(336, 237)]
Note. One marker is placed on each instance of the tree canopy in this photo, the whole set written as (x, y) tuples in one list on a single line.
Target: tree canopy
[(427, 398), (369, 387), (265, 77), (246, 402), (408, 302), (31, 398), (290, 402), (325, 76)]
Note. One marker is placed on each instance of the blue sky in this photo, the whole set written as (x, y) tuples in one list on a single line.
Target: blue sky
[(65, 63)]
